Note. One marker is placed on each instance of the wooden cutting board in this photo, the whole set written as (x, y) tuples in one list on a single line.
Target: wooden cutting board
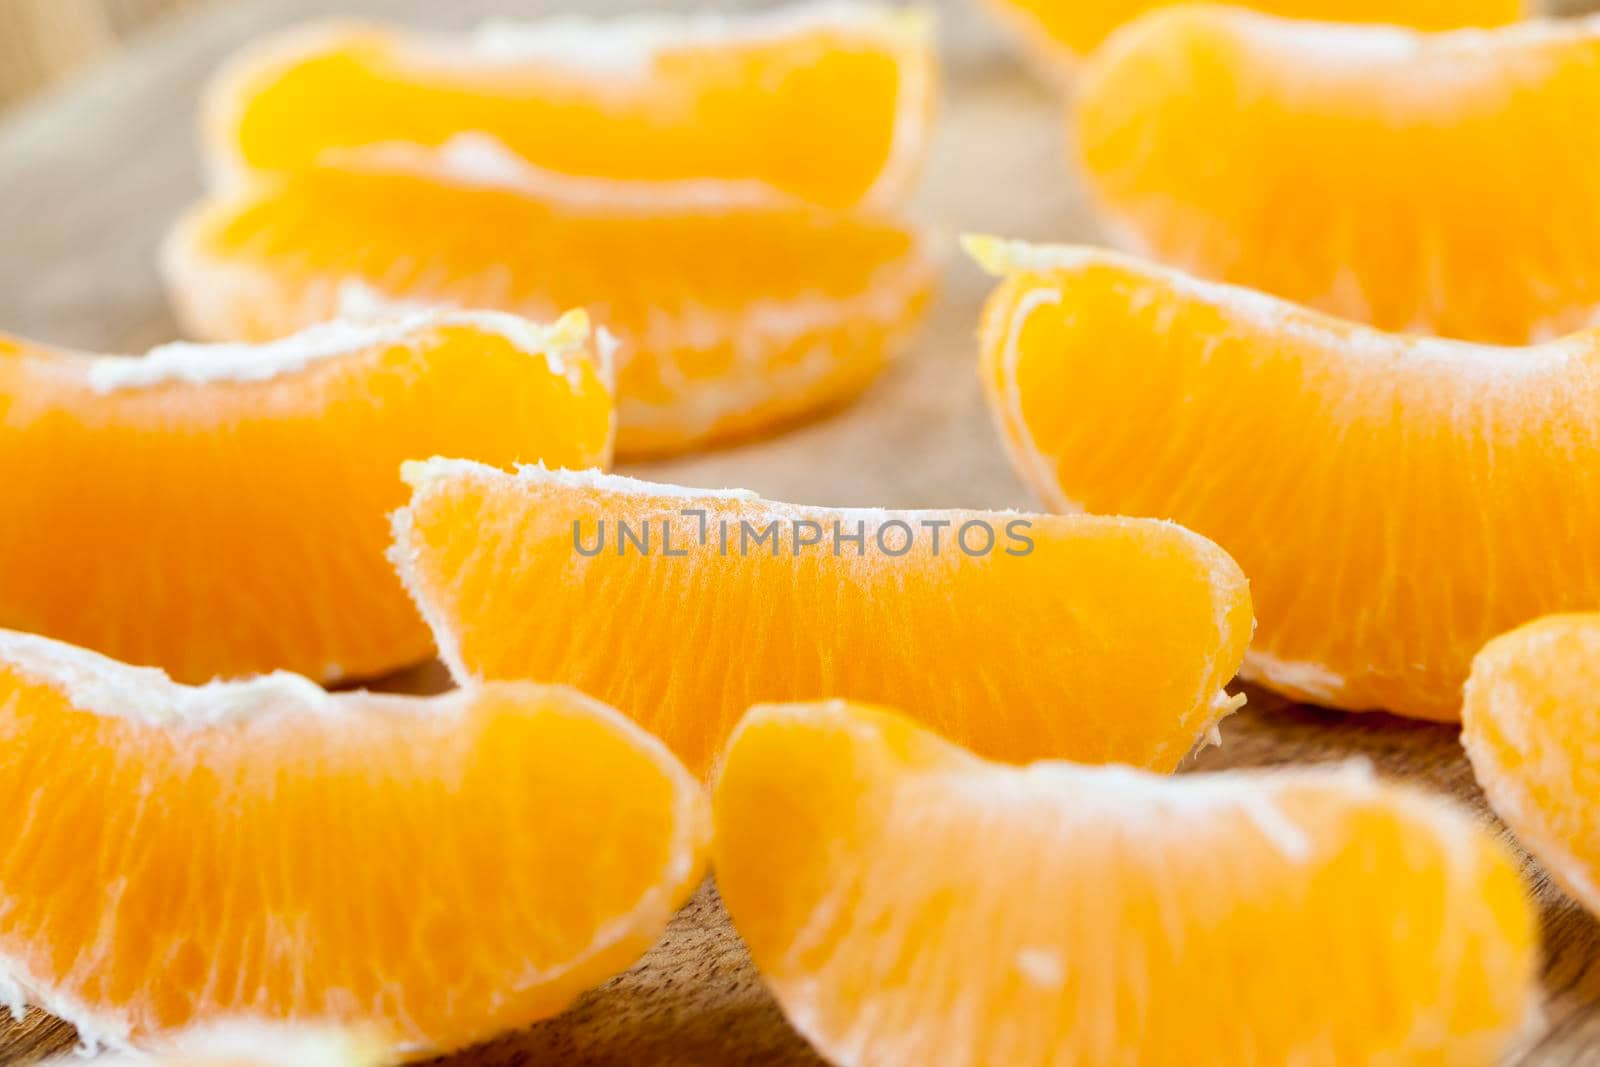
[(90, 175)]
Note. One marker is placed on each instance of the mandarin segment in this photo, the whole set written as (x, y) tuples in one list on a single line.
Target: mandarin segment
[(827, 103), (729, 321), (1066, 33), (1531, 726), (1395, 501), (1349, 167), (908, 903), (430, 871), (222, 511), (1097, 638)]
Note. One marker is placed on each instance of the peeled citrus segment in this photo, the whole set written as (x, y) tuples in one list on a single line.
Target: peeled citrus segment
[(1070, 31), (828, 103), (1097, 638), (1395, 501), (1530, 727), (223, 511), (729, 321), (910, 904), (1309, 161), (431, 871)]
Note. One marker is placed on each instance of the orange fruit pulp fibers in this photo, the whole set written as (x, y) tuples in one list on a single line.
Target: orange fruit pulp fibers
[(910, 904), (223, 511), (730, 321), (426, 872), (1530, 728), (1395, 501), (1098, 639), (1427, 183)]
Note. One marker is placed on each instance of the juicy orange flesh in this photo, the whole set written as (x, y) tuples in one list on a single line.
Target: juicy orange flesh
[(812, 113), (1531, 729), (1110, 640), (728, 321), (1395, 503), (909, 904), (1078, 29), (1329, 151), (439, 872), (231, 527)]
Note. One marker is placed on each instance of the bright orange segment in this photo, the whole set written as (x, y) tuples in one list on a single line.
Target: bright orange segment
[(431, 872), (1531, 726), (729, 321), (224, 511), (1349, 168), (828, 103), (909, 904), (1395, 501), (1069, 31), (1095, 638)]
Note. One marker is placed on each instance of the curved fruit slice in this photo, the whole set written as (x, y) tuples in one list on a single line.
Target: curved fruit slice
[(223, 511), (910, 904), (828, 103), (729, 322), (1096, 638), (1531, 730), (429, 871), (1395, 501), (1068, 32), (1327, 147)]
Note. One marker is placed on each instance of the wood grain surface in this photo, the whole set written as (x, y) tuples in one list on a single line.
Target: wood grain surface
[(43, 40), (90, 176), (39, 41)]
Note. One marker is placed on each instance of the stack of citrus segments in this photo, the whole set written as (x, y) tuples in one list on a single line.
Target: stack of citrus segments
[(924, 753), (719, 192)]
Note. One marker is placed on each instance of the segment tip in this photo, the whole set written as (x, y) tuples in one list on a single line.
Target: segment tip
[(988, 251)]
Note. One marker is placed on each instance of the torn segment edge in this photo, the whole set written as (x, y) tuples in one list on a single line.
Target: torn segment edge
[(198, 364)]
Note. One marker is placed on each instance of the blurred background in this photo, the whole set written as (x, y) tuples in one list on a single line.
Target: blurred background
[(44, 40)]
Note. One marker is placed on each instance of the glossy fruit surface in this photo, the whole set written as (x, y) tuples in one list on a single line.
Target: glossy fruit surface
[(828, 102), (222, 511), (730, 322), (1351, 168), (266, 853), (1395, 501), (910, 904), (1099, 639), (1531, 728)]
